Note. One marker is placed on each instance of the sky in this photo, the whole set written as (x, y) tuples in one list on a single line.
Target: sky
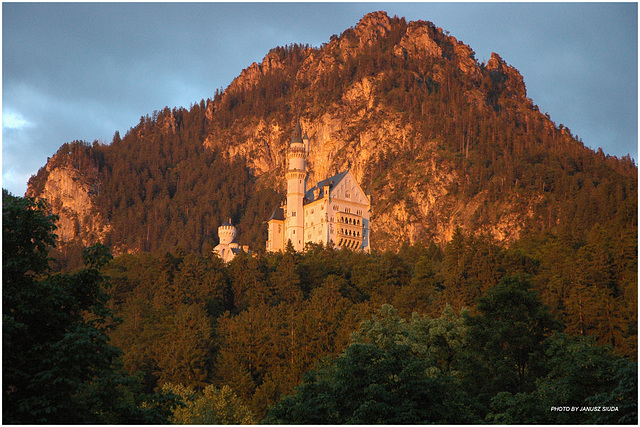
[(81, 71)]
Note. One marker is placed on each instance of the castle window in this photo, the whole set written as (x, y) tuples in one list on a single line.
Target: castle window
[(293, 213)]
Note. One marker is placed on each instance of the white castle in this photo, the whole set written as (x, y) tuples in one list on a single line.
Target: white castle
[(228, 247), (334, 210)]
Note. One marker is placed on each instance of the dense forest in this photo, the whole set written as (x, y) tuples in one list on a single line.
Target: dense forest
[(469, 329), (465, 334)]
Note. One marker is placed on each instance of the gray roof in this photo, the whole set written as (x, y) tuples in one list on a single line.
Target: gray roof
[(332, 180), (296, 136), (227, 223), (278, 214)]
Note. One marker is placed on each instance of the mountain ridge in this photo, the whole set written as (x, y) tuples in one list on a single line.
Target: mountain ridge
[(441, 140)]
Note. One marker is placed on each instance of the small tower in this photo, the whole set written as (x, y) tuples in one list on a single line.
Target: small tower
[(227, 232), (228, 247), (305, 141), (296, 186)]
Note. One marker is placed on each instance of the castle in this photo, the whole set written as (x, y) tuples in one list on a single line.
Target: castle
[(228, 247), (334, 210)]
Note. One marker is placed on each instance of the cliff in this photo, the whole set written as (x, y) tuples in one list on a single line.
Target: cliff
[(69, 182)]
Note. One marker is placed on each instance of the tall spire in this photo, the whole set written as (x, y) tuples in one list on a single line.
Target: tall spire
[(296, 136)]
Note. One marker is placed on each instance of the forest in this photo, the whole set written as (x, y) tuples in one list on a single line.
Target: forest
[(473, 332)]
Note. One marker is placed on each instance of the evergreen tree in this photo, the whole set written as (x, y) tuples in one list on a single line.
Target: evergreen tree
[(58, 365)]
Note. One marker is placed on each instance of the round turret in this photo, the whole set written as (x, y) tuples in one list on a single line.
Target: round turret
[(226, 232)]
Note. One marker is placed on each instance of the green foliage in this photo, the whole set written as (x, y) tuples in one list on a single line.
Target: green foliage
[(579, 372), (58, 365), (212, 406), (387, 375), (369, 385), (393, 369), (27, 231), (507, 339), (624, 397)]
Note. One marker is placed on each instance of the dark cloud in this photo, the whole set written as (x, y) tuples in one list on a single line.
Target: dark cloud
[(82, 71)]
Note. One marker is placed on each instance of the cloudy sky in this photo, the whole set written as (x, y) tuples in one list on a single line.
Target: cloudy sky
[(84, 70)]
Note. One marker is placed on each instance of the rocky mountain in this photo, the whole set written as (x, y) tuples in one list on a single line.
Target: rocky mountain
[(70, 188), (440, 140)]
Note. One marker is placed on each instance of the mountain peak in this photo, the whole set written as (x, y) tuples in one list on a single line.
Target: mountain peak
[(503, 74), (373, 25)]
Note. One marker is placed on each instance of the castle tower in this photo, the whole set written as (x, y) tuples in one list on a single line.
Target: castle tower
[(296, 186), (228, 247), (226, 232)]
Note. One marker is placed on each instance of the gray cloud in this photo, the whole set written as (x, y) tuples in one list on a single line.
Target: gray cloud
[(82, 71)]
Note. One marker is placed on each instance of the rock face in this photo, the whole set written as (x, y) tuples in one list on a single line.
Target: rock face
[(70, 193), (355, 130), (418, 42)]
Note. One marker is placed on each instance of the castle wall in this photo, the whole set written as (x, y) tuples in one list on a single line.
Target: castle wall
[(275, 239)]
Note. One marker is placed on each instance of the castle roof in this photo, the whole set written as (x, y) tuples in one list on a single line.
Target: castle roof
[(227, 223), (296, 136), (331, 181), (278, 214)]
